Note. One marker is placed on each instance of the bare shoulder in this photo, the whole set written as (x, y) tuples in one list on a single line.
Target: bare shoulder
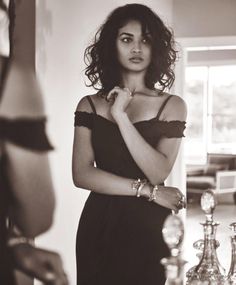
[(176, 109), (84, 105)]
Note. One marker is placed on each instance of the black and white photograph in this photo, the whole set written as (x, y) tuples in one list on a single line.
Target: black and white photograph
[(117, 142)]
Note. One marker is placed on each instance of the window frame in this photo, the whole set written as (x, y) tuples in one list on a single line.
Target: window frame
[(208, 113)]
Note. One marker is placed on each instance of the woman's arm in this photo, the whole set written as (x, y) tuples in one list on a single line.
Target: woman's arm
[(156, 163), (28, 173), (87, 176)]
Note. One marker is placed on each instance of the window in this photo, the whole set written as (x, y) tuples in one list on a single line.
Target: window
[(211, 100), (222, 112), (196, 85)]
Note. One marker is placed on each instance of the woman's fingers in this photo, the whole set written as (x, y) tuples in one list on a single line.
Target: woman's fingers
[(172, 198), (112, 95), (55, 264), (116, 91), (47, 267), (126, 89), (181, 203), (180, 199)]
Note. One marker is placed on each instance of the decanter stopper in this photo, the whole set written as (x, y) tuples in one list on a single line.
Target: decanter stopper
[(173, 234), (232, 271), (208, 271), (208, 205)]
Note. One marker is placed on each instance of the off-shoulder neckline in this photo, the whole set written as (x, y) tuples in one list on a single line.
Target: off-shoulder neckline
[(155, 119), (23, 119)]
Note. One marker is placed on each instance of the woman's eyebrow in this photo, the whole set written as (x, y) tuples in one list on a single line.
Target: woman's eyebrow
[(126, 34)]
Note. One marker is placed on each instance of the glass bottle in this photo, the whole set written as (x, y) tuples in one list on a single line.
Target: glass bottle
[(232, 271), (173, 234), (208, 271), (198, 245)]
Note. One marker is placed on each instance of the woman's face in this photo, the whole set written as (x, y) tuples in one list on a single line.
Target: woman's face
[(133, 47)]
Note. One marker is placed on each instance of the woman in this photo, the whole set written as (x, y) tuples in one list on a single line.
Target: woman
[(132, 131), (26, 189)]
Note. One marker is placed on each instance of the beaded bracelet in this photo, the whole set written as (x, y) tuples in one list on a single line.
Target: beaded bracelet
[(137, 186), (153, 193), (16, 237), (13, 241)]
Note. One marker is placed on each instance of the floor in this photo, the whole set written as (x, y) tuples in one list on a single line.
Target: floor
[(225, 214)]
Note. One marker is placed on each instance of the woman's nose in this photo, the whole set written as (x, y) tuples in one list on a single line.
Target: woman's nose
[(136, 47)]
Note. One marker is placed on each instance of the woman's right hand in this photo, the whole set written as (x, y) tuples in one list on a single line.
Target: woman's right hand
[(41, 264), (169, 197)]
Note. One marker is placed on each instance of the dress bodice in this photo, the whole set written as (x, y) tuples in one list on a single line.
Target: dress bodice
[(110, 150), (25, 132)]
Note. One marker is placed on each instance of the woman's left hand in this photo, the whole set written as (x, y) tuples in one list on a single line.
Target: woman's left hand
[(121, 98)]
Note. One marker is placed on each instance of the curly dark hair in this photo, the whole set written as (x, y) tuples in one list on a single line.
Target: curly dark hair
[(103, 69), (3, 6)]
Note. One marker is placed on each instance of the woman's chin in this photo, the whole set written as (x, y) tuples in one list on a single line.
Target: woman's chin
[(135, 69)]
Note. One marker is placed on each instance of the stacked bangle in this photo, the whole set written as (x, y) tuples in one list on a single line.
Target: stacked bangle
[(153, 193), (16, 237), (137, 186), (13, 241)]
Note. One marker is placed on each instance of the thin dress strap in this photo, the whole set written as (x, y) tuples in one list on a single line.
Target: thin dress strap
[(91, 104), (163, 106)]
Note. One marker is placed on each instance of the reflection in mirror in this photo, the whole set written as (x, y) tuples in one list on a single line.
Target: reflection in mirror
[(27, 199)]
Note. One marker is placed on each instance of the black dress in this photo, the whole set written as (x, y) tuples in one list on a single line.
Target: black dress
[(29, 134), (119, 239)]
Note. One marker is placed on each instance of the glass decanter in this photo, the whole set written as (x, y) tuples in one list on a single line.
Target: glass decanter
[(173, 234), (208, 271), (198, 245), (231, 278)]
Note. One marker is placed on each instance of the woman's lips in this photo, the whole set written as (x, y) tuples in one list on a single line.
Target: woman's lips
[(136, 59)]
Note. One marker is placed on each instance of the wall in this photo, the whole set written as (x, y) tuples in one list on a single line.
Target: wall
[(217, 56), (63, 30), (204, 18)]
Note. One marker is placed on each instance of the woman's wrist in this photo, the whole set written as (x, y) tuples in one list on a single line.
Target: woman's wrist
[(120, 116), (143, 188), (14, 241), (151, 192), (137, 186), (146, 191), (15, 237)]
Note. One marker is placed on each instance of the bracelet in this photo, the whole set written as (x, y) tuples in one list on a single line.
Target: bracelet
[(137, 186), (13, 241), (143, 183), (153, 194), (15, 231)]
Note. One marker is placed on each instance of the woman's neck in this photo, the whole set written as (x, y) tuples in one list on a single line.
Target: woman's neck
[(134, 81)]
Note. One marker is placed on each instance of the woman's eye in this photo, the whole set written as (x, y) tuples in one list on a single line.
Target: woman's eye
[(146, 41), (126, 40)]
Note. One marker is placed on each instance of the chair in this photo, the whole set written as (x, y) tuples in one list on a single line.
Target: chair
[(219, 174)]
